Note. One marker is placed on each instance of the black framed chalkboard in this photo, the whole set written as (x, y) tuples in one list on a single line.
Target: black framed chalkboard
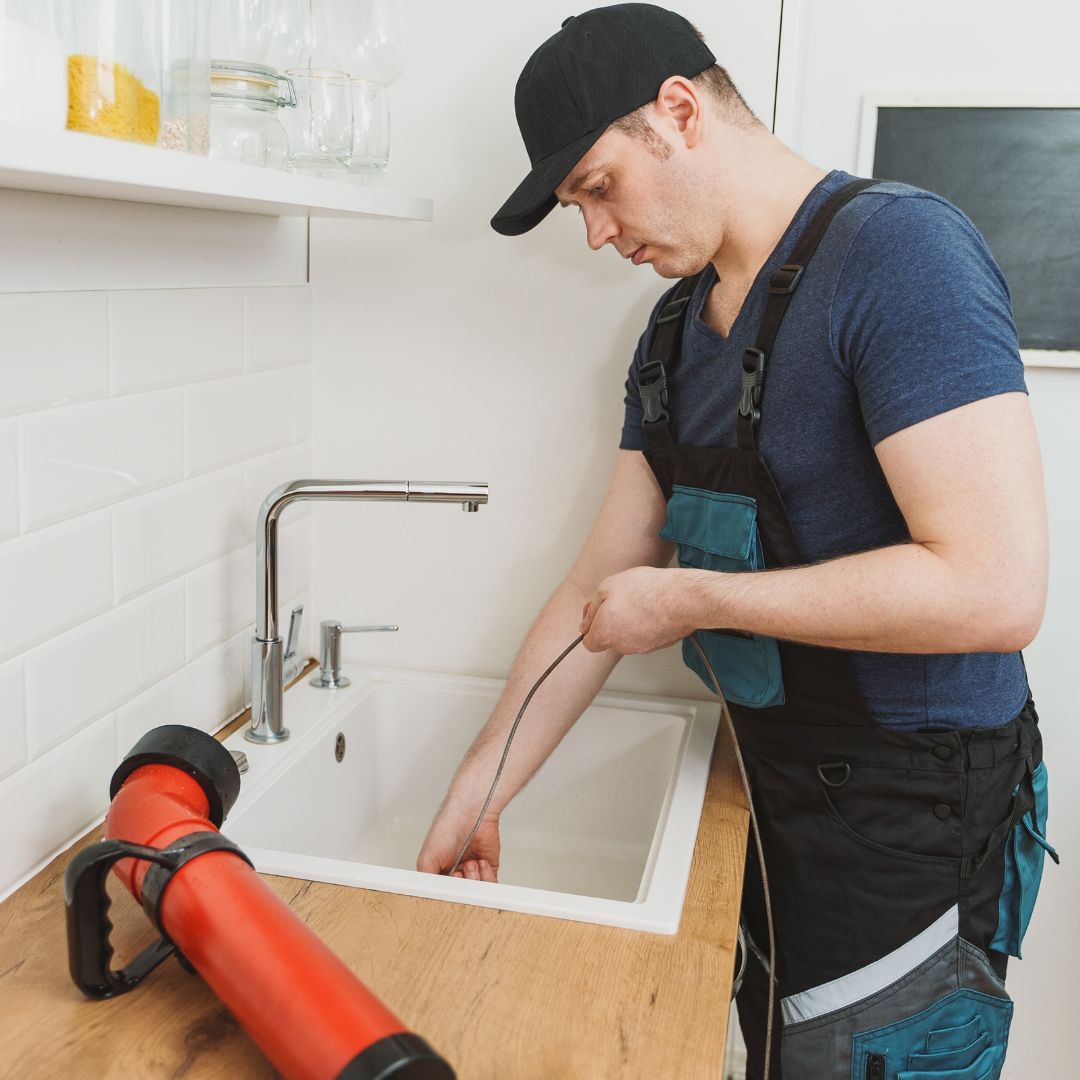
[(1016, 173)]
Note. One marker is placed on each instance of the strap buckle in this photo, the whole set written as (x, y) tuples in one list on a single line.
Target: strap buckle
[(672, 310), (753, 378), (652, 388), (785, 279)]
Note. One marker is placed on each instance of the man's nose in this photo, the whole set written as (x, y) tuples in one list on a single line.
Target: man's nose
[(600, 228)]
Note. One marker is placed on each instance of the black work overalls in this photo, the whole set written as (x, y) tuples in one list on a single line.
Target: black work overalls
[(902, 865)]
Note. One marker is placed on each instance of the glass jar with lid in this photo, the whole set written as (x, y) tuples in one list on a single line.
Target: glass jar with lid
[(245, 100), (114, 67)]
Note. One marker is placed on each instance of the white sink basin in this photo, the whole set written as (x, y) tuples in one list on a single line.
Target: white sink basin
[(603, 833)]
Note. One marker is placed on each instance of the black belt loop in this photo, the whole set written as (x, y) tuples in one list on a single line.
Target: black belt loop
[(785, 279), (1023, 801)]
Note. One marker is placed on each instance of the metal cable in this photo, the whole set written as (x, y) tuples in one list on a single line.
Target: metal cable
[(506, 750), (749, 800), (761, 859)]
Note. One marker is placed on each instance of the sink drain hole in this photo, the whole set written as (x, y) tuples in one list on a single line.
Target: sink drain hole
[(339, 746)]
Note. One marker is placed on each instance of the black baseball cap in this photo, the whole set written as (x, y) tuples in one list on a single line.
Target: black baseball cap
[(601, 65)]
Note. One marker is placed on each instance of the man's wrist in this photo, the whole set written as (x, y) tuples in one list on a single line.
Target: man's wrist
[(699, 599)]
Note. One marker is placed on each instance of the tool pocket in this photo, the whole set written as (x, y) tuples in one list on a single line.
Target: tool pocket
[(946, 1017), (961, 1037), (719, 531), (1025, 852)]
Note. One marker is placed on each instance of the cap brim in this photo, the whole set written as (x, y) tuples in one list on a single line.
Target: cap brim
[(535, 197)]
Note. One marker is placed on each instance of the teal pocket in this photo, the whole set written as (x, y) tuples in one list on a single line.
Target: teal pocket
[(929, 1045), (1025, 853), (719, 531)]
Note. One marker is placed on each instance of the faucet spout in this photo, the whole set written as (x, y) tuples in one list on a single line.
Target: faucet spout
[(267, 697)]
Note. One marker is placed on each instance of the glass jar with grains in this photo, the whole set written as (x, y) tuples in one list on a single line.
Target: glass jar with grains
[(185, 73), (114, 67)]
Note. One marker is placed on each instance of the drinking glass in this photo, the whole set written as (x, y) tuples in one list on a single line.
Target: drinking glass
[(366, 38), (275, 33), (320, 128), (371, 138)]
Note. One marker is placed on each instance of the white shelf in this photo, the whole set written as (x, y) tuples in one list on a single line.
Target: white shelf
[(70, 163)]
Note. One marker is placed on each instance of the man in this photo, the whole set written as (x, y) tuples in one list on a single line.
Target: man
[(827, 419)]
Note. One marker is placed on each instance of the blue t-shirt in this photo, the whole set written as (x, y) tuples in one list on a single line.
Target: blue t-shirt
[(902, 314)]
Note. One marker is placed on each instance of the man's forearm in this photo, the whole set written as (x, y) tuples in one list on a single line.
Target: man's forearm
[(905, 598), (557, 704)]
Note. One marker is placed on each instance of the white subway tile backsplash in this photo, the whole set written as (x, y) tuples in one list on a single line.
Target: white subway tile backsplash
[(53, 579), (12, 719), (204, 694), (85, 456), (220, 599), (234, 419), (9, 478), (54, 349), (160, 337), (278, 326), (100, 665), (139, 432), (264, 474), (160, 536), (302, 416), (51, 800)]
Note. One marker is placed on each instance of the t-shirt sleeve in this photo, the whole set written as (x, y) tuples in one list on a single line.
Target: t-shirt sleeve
[(633, 437), (922, 317)]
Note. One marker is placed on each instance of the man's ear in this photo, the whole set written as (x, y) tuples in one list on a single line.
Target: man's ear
[(679, 110)]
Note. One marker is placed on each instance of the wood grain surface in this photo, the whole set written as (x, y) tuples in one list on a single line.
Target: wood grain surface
[(501, 995)]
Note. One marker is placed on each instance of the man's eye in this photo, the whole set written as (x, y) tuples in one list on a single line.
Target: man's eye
[(598, 190)]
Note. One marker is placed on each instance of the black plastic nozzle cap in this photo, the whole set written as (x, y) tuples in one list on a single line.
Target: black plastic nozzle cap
[(397, 1057), (192, 751)]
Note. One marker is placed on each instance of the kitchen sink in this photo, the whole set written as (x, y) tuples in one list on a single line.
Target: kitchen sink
[(603, 833)]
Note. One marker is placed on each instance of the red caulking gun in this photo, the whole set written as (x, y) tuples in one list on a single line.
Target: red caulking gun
[(305, 1009)]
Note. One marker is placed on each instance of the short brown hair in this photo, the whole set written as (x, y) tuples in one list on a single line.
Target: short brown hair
[(717, 82), (713, 81)]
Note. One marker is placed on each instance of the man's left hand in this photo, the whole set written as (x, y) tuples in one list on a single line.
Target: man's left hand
[(637, 611)]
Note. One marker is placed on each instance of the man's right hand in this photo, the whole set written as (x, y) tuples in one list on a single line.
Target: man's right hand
[(444, 840)]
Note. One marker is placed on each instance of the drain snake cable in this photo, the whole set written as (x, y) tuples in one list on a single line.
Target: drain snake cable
[(749, 801)]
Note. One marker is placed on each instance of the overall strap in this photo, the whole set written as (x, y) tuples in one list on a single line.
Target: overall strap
[(652, 377), (782, 285)]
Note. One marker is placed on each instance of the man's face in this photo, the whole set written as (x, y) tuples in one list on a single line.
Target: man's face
[(645, 205)]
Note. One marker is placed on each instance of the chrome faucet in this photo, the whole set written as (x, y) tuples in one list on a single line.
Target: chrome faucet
[(267, 674)]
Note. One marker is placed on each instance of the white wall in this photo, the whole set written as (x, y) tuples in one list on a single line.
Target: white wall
[(149, 399), (445, 351)]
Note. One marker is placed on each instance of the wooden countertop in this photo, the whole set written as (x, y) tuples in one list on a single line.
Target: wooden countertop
[(501, 995)]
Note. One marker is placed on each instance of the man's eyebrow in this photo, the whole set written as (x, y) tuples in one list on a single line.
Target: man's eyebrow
[(580, 180)]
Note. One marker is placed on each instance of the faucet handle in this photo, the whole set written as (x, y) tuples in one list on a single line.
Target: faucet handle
[(330, 631), (295, 620), (291, 664)]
